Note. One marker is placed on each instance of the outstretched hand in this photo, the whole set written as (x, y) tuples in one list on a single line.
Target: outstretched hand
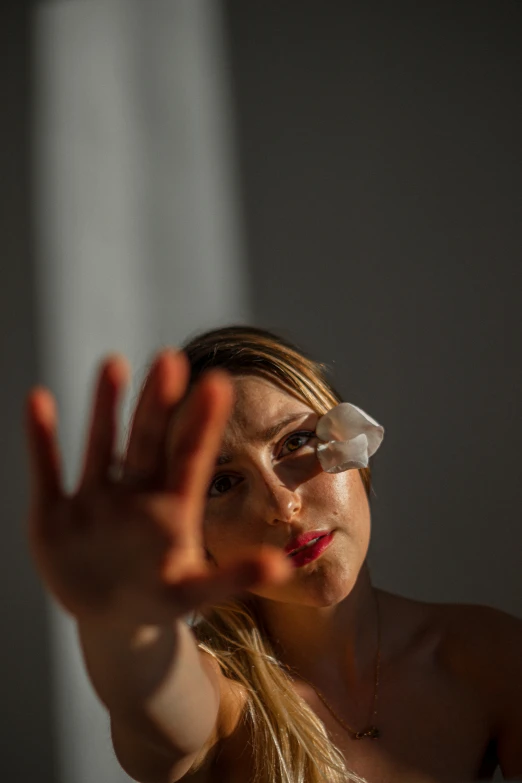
[(130, 548)]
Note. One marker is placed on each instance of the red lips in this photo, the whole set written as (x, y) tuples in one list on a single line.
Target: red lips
[(303, 539)]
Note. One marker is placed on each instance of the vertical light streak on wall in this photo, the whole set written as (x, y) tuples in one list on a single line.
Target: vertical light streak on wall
[(139, 239)]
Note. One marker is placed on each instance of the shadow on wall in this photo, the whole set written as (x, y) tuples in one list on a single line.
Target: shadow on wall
[(28, 741)]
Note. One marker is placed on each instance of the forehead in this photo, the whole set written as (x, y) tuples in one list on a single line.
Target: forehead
[(258, 404)]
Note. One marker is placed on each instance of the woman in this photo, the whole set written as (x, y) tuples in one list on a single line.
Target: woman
[(237, 503)]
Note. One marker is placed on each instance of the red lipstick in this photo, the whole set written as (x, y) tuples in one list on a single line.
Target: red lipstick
[(305, 551)]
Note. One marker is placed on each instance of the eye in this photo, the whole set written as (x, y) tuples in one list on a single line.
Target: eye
[(296, 441), (221, 485)]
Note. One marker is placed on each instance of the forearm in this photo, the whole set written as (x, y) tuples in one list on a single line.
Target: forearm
[(152, 680)]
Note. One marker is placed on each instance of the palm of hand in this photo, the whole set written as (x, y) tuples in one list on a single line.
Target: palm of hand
[(132, 549)]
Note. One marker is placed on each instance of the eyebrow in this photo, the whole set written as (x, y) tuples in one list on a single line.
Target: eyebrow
[(266, 435)]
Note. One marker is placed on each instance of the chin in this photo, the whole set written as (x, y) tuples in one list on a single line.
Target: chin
[(327, 592)]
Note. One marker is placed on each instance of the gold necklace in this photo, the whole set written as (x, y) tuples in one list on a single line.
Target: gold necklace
[(372, 732)]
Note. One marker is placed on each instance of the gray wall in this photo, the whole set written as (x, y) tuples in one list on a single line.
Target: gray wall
[(382, 183), (381, 194)]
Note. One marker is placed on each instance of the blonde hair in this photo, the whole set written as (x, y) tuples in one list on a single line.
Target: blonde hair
[(290, 743)]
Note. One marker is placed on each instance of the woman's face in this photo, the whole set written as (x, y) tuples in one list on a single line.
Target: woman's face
[(269, 487)]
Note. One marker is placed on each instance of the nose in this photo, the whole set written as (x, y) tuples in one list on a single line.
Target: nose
[(283, 503)]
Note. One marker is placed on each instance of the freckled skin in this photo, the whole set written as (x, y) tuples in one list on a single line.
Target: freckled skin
[(275, 494)]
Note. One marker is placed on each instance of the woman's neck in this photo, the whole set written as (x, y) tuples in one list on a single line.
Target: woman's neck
[(331, 642)]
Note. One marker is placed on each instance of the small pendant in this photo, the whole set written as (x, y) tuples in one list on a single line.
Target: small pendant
[(372, 733)]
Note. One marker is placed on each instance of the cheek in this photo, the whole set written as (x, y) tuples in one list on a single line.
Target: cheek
[(343, 491), (341, 497)]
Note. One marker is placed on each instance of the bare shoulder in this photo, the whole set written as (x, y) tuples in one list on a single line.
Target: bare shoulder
[(472, 639), (481, 632), (479, 645), (483, 642), (474, 624), (231, 707), (486, 622), (233, 698), (483, 646)]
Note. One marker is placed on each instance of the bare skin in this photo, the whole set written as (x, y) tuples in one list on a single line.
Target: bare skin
[(436, 725), (451, 679), (436, 712)]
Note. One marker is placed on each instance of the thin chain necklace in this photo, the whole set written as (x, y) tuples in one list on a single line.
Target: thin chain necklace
[(372, 732)]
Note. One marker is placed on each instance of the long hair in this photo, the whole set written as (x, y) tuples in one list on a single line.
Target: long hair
[(290, 743)]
